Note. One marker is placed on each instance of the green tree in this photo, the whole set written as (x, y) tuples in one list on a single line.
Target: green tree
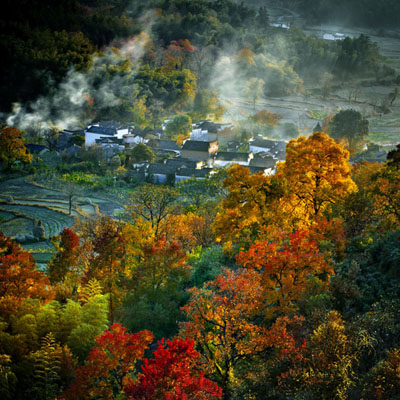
[(8, 379), (140, 153), (350, 126), (179, 127)]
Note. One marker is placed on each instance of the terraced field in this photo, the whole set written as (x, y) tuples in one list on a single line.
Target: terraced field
[(23, 204)]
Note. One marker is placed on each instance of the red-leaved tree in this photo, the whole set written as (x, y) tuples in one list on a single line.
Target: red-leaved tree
[(173, 375), (110, 364)]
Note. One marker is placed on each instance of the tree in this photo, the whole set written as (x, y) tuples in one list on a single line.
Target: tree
[(158, 276), (288, 264), (12, 148), (8, 379), (384, 382), (327, 364), (350, 126), (109, 366), (262, 20), (207, 105), (107, 258), (221, 322), (357, 56), (317, 173), (47, 362), (265, 117), (141, 153), (251, 204), (177, 54), (385, 188), (152, 203), (52, 136), (179, 127), (254, 90), (66, 257), (173, 374), (140, 115), (19, 278), (188, 230)]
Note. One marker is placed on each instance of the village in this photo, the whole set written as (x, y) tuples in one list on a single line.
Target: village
[(207, 149)]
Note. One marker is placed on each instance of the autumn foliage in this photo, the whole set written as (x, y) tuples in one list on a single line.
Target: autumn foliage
[(287, 265), (19, 278), (110, 364), (12, 148), (173, 374)]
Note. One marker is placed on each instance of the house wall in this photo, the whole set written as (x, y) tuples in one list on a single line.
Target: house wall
[(256, 149), (122, 132), (90, 138), (158, 178), (180, 178), (220, 163)]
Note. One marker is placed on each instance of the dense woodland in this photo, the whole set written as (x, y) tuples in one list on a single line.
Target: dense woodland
[(267, 287), (238, 286)]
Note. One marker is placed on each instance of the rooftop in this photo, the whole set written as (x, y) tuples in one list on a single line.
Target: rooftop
[(160, 169), (163, 144), (191, 172), (181, 162), (268, 144), (102, 131), (232, 156), (196, 145)]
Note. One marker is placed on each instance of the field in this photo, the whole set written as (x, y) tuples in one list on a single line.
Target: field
[(24, 203)]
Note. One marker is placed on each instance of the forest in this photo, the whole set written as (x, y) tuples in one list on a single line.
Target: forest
[(278, 282)]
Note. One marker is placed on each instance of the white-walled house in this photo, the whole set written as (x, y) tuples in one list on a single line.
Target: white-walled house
[(107, 129), (223, 158)]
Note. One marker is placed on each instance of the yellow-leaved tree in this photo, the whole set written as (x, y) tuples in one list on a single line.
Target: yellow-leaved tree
[(317, 173), (12, 148)]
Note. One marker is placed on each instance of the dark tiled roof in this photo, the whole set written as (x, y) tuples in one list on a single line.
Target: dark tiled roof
[(268, 144), (181, 162), (163, 144), (161, 169), (138, 132), (109, 140), (209, 126), (191, 172), (254, 170), (109, 124), (196, 145), (74, 132), (232, 156), (102, 131), (263, 160), (36, 148)]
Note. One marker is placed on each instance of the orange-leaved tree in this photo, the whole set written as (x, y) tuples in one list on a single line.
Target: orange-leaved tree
[(287, 264), (110, 365), (19, 278), (173, 374), (106, 244), (189, 230), (221, 322), (12, 148)]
